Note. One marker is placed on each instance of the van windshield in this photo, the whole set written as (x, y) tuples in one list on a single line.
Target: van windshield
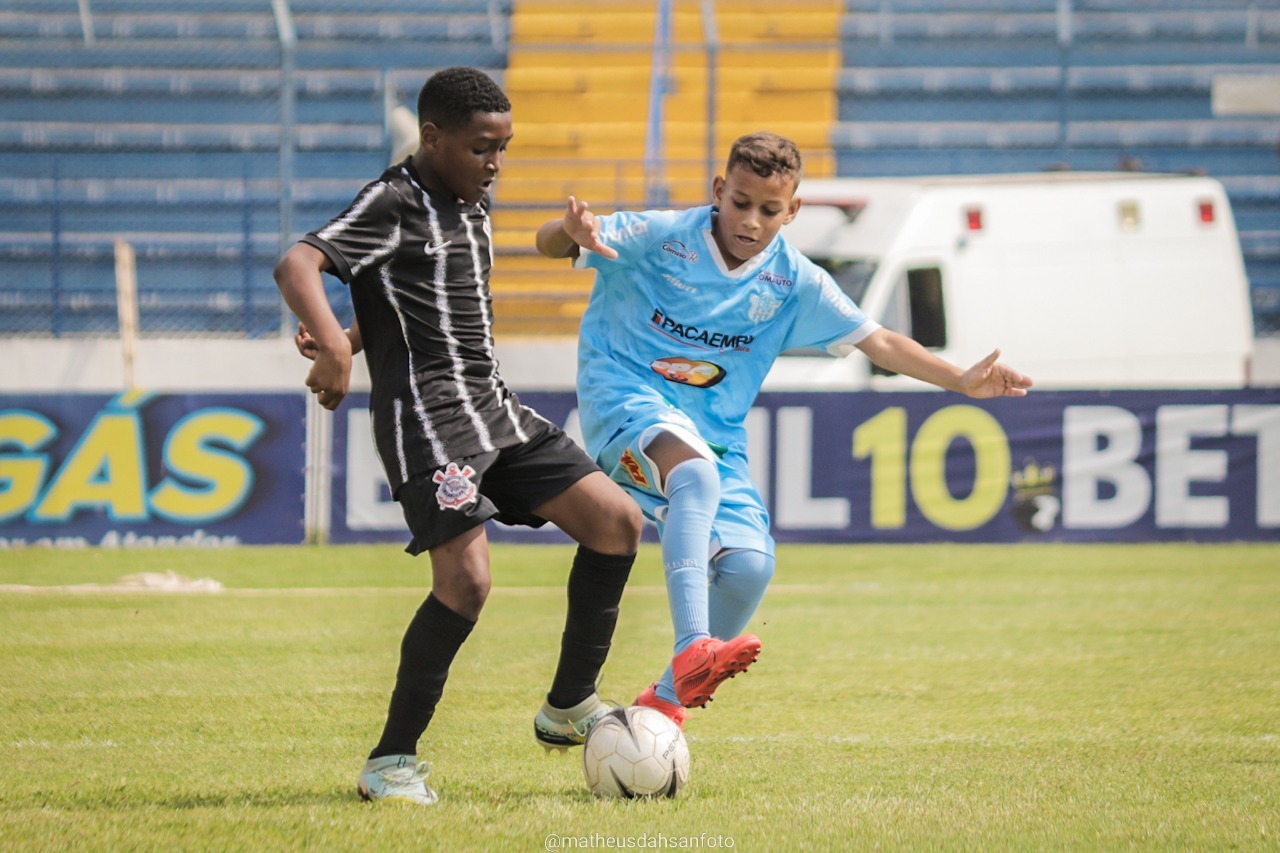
[(853, 276)]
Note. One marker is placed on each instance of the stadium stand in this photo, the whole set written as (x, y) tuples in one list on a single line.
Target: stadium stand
[(973, 86), (161, 123), (580, 75)]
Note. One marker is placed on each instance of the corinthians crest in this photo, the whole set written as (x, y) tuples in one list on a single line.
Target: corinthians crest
[(763, 307), (456, 489)]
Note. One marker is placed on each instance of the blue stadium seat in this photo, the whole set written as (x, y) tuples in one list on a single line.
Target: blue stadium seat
[(106, 118), (933, 6), (974, 86)]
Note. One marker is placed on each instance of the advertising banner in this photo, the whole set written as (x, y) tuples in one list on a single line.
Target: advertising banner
[(1122, 466), (138, 469)]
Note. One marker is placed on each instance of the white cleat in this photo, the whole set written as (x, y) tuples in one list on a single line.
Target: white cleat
[(559, 729), (398, 778)]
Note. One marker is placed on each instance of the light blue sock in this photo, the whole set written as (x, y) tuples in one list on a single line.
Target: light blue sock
[(738, 582), (693, 493)]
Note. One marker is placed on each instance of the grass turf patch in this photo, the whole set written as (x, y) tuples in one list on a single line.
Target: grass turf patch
[(977, 697)]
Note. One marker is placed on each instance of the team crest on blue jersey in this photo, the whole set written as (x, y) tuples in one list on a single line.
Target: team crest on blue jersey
[(456, 488), (680, 250), (687, 371), (763, 307)]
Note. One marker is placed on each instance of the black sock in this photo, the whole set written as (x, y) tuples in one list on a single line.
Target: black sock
[(430, 643), (596, 582)]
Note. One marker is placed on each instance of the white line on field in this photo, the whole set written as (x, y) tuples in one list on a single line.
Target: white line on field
[(92, 588)]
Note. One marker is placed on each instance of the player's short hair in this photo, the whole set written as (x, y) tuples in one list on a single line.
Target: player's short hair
[(452, 96), (767, 154)]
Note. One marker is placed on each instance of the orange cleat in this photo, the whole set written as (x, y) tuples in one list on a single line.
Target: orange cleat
[(649, 698), (700, 669)]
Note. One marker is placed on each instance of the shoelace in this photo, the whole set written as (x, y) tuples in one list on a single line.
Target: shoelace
[(584, 725), (407, 775)]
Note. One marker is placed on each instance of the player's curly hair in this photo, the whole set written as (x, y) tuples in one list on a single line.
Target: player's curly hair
[(767, 154), (452, 96)]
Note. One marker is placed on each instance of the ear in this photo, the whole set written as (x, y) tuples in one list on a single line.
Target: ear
[(429, 134), (717, 187), (792, 210)]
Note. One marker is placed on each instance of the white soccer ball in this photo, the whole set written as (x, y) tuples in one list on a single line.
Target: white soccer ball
[(635, 752)]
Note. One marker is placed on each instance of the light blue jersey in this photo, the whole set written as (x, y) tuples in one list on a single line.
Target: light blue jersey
[(672, 335)]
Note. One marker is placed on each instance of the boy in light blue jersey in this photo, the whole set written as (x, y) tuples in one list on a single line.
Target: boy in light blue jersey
[(688, 313)]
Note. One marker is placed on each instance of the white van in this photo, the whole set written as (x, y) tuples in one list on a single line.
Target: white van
[(1084, 280)]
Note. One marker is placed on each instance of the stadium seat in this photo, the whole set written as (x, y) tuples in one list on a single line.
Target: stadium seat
[(973, 86), (111, 115)]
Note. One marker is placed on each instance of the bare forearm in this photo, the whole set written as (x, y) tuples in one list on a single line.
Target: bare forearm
[(987, 378), (903, 355), (554, 242)]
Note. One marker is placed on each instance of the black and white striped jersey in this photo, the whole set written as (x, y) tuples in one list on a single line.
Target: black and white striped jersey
[(417, 262)]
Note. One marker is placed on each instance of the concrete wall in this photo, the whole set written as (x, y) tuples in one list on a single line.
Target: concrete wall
[(166, 365)]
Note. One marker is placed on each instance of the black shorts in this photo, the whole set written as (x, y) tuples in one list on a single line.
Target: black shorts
[(506, 485)]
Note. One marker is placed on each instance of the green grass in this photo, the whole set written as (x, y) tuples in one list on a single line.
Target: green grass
[(950, 697)]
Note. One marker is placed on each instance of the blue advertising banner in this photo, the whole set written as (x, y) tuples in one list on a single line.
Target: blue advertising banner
[(139, 469), (1123, 466)]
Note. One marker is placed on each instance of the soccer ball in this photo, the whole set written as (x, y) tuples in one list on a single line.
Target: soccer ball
[(635, 752)]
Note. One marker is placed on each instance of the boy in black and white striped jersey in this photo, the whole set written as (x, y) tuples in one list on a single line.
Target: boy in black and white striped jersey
[(457, 445)]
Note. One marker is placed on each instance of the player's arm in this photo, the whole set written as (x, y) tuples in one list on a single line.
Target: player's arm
[(987, 378), (577, 229), (297, 276)]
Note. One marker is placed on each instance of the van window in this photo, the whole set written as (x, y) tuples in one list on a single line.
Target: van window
[(853, 276), (928, 319), (915, 309)]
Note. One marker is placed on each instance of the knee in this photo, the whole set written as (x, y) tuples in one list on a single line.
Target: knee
[(696, 480), (465, 594), (620, 527), (746, 573)]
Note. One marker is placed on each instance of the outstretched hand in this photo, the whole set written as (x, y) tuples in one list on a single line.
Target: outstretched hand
[(990, 378), (583, 228)]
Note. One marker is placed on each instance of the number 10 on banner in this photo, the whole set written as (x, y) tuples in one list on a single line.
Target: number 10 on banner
[(923, 464)]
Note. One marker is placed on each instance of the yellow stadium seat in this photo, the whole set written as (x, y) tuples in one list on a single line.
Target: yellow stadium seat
[(580, 78)]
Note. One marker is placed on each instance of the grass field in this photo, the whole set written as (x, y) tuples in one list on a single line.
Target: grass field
[(951, 697)]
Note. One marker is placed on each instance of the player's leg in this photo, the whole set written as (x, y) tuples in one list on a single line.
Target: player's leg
[(738, 582), (692, 487), (739, 578), (452, 532), (606, 523), (741, 526), (690, 477), (460, 583), (552, 479)]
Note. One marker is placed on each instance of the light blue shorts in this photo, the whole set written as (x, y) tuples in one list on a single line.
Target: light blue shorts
[(741, 519)]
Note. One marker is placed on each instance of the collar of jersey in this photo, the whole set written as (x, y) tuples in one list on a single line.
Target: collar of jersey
[(749, 268), (420, 184)]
